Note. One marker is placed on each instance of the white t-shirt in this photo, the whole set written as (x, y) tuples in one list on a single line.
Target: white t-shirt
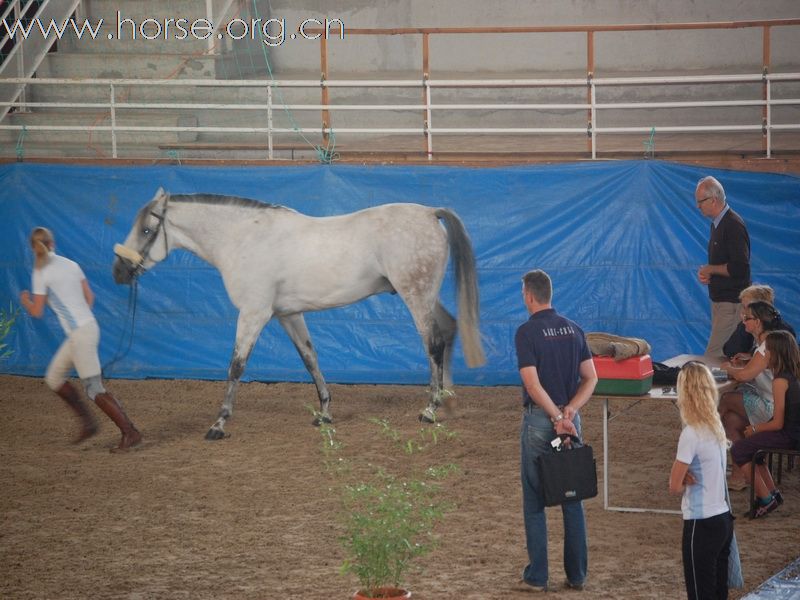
[(706, 457), (61, 281), (763, 381)]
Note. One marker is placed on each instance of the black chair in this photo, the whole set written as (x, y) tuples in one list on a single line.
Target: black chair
[(769, 453)]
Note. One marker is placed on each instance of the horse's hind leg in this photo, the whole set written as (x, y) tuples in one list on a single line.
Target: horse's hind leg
[(448, 326), (434, 339), (248, 326), (438, 334), (436, 331), (419, 289), (295, 326)]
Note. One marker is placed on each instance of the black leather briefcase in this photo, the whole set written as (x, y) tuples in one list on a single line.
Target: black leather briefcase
[(568, 474)]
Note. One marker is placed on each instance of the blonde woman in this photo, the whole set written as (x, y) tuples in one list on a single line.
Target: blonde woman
[(699, 474), (60, 282)]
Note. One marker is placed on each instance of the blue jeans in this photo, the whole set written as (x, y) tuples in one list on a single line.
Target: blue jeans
[(535, 436)]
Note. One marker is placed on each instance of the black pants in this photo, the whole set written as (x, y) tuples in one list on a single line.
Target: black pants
[(706, 545)]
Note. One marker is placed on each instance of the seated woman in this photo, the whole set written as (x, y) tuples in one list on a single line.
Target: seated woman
[(783, 430), (751, 403), (741, 342)]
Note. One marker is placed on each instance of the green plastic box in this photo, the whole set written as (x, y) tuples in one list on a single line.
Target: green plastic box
[(623, 387)]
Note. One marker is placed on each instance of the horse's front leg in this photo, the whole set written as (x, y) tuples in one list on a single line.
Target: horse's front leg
[(295, 326), (248, 327)]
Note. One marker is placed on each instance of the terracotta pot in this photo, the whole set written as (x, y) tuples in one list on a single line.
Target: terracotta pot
[(382, 593)]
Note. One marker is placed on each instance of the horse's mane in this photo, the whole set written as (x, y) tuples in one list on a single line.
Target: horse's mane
[(221, 200)]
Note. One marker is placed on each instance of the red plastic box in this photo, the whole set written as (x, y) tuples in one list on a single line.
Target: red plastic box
[(630, 377), (635, 367)]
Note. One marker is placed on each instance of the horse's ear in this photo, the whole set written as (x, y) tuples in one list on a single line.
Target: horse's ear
[(161, 194)]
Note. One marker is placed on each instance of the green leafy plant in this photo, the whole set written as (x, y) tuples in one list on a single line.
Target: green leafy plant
[(7, 320), (388, 518), (426, 437)]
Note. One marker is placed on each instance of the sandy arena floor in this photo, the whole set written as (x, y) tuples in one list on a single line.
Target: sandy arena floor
[(253, 516)]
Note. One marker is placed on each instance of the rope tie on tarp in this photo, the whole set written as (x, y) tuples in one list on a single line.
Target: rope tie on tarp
[(20, 148), (327, 154)]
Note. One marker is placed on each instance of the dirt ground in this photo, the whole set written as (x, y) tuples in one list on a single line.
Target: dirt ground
[(254, 515)]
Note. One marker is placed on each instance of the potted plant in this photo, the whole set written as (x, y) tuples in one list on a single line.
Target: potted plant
[(388, 518)]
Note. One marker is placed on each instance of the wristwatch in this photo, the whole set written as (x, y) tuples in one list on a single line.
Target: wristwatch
[(557, 418)]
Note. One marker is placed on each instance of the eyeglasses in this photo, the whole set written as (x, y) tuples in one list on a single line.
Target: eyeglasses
[(699, 202), (749, 318)]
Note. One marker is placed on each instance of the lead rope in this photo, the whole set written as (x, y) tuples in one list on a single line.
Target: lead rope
[(131, 323)]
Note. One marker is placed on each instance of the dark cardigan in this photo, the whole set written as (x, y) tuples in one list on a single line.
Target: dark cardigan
[(729, 244)]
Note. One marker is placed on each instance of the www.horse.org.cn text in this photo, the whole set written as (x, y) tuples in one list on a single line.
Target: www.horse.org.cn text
[(273, 32)]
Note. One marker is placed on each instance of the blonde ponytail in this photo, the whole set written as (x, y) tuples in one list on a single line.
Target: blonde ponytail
[(698, 399), (42, 242)]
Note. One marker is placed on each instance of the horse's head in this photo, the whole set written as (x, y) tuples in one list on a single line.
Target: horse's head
[(146, 243)]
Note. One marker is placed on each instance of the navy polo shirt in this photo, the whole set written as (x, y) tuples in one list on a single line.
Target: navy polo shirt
[(556, 346)]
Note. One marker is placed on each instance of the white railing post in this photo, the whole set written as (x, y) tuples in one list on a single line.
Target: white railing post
[(769, 118), (81, 14), (428, 115), (270, 154), (210, 16), (113, 123), (20, 57), (593, 110), (219, 26)]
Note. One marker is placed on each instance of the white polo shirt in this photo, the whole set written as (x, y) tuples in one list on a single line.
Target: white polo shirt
[(61, 281), (706, 457)]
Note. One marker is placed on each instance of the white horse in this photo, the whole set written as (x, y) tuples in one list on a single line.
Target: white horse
[(276, 261)]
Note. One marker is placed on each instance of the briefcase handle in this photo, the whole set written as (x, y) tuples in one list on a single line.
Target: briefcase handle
[(575, 442)]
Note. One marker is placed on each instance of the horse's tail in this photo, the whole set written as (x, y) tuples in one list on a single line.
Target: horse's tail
[(466, 287)]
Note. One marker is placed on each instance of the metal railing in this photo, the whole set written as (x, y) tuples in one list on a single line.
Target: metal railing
[(426, 34), (430, 110), (427, 128)]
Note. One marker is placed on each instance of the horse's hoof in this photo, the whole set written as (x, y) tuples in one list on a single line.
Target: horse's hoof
[(320, 420), (423, 418), (215, 434)]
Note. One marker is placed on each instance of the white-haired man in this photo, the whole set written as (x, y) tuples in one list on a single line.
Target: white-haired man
[(728, 270)]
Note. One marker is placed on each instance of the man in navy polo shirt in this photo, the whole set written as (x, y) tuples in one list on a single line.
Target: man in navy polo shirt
[(558, 378)]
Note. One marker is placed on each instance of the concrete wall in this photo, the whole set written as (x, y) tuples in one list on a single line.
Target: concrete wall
[(640, 51)]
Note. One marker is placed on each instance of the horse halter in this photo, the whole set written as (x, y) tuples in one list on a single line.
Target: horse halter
[(136, 259)]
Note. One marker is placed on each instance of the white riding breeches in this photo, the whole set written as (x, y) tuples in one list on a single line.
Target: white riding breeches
[(78, 351)]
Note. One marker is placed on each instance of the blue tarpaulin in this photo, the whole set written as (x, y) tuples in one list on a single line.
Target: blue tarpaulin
[(621, 240)]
